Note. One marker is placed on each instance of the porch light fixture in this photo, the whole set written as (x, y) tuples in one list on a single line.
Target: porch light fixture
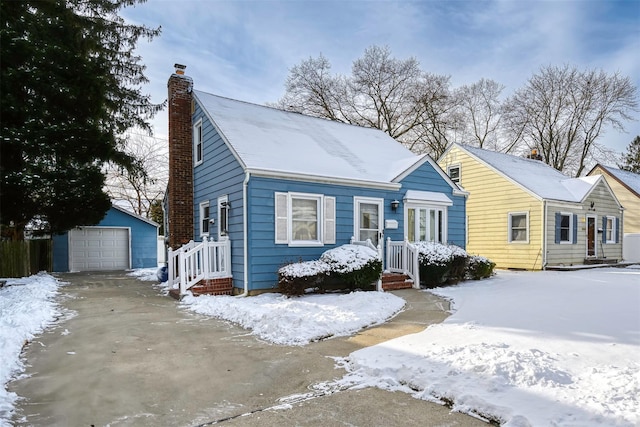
[(394, 205)]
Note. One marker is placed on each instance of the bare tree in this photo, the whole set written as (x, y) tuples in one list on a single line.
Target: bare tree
[(139, 191), (311, 89), (382, 92), (480, 108), (439, 118), (563, 111)]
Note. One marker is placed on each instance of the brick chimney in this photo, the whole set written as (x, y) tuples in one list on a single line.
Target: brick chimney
[(180, 186)]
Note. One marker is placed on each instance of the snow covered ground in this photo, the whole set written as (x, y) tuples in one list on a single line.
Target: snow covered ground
[(525, 349), (521, 348), (27, 307)]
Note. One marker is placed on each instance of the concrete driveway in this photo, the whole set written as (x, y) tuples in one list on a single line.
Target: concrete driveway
[(132, 357)]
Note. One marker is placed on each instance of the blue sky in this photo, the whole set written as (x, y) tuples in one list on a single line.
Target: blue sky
[(244, 49)]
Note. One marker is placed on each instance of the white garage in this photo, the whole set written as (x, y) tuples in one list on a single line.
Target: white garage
[(99, 248)]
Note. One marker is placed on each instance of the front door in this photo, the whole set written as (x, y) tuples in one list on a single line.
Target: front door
[(368, 219), (591, 236)]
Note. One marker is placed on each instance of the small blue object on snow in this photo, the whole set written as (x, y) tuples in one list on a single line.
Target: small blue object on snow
[(163, 274)]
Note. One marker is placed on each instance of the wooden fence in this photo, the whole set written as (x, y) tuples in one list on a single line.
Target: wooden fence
[(24, 258)]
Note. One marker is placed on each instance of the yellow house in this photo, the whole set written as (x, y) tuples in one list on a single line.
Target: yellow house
[(626, 187), (523, 214)]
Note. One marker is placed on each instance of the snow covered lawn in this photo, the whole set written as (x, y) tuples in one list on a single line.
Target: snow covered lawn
[(524, 349), (27, 307)]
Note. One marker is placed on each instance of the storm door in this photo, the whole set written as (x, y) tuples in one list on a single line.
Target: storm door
[(591, 236), (368, 219)]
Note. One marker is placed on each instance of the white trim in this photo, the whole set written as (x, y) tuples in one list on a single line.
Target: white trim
[(613, 230), (570, 241), (595, 235), (265, 173), (356, 216), (221, 200), (201, 207), (422, 160), (455, 166), (196, 126), (430, 207), (427, 197), (509, 229), (319, 199)]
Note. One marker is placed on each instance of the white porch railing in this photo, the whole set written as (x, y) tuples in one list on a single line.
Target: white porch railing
[(378, 250), (198, 261), (402, 257)]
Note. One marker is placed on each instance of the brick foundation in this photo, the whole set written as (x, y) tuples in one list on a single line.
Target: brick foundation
[(214, 287)]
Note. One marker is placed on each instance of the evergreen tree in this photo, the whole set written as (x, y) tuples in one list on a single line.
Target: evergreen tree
[(631, 158), (70, 86)]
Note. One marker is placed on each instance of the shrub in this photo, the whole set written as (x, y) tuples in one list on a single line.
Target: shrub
[(353, 265), (296, 278), (440, 263), (479, 267)]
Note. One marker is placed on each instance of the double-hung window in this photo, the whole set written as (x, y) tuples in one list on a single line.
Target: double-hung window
[(223, 216), (610, 226), (518, 227), (566, 228), (204, 219), (454, 173), (304, 219), (198, 154)]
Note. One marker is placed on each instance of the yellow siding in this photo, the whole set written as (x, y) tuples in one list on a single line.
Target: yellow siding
[(629, 201), (491, 198)]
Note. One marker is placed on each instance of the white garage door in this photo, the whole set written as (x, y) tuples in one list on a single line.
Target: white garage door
[(99, 248)]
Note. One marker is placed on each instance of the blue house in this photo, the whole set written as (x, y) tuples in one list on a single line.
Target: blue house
[(276, 187), (122, 240)]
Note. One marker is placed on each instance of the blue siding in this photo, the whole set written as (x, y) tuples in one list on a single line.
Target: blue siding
[(61, 252), (426, 178), (219, 174), (144, 241), (266, 256)]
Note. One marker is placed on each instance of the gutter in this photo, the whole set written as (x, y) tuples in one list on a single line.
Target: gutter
[(245, 231)]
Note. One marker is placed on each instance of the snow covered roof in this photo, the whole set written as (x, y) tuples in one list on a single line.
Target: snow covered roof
[(536, 176), (427, 196), (630, 179), (268, 139)]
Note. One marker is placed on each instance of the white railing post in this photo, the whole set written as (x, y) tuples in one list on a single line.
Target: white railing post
[(171, 266), (388, 264), (405, 256), (182, 271), (227, 257), (205, 257)]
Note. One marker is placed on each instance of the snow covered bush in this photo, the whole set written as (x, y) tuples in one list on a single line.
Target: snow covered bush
[(295, 278), (441, 263), (479, 267), (354, 265), (347, 266)]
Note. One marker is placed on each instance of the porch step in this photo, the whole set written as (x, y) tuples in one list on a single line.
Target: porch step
[(221, 286), (590, 261), (395, 281)]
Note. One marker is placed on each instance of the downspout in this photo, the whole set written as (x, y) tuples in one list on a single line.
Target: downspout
[(544, 234), (245, 231)]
